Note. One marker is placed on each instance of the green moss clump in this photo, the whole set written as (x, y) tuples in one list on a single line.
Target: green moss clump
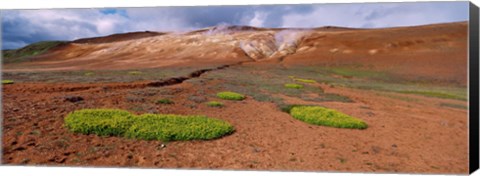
[(7, 81), (305, 80), (164, 101), (230, 96), (89, 74), (165, 127), (293, 86), (103, 122), (215, 104), (176, 127), (326, 117)]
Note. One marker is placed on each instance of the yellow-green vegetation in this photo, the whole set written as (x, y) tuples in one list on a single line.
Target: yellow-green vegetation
[(165, 127), (326, 117), (381, 81), (230, 96), (164, 101), (103, 122), (305, 80), (215, 104), (135, 73), (6, 81), (20, 55), (89, 74), (176, 127), (294, 86)]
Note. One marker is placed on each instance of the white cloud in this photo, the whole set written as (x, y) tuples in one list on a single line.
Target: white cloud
[(376, 15), (27, 26), (156, 19), (258, 19), (65, 24)]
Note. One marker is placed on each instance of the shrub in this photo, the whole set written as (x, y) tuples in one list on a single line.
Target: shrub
[(327, 117), (7, 81), (89, 74), (305, 80), (103, 122), (215, 104), (114, 122), (177, 127), (230, 96), (294, 86), (164, 101)]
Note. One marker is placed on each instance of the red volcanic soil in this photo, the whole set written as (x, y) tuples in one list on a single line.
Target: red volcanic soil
[(433, 51), (402, 136), (406, 133)]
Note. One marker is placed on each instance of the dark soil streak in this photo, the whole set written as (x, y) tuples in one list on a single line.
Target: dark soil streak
[(195, 74), (117, 86)]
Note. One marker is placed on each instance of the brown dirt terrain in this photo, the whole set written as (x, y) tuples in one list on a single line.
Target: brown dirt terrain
[(397, 139), (406, 133)]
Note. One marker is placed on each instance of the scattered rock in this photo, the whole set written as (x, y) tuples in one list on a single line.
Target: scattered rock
[(256, 149), (58, 159), (73, 99), (19, 149), (370, 114), (376, 149)]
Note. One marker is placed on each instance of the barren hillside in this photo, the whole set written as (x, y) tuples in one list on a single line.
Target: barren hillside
[(434, 52)]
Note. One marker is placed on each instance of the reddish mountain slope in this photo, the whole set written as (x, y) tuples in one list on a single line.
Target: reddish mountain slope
[(437, 51)]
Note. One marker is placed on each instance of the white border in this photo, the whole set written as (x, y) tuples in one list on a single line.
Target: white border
[(48, 4), (74, 171)]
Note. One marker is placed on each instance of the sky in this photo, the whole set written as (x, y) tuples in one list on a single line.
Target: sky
[(23, 27)]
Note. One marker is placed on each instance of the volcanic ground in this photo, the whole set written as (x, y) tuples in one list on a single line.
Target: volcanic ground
[(409, 84)]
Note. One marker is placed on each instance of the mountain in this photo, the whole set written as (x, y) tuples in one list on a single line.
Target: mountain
[(436, 51)]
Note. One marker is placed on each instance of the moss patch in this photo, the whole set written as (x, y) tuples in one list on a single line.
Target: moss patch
[(215, 104), (326, 117), (164, 101), (293, 86), (305, 80), (230, 96), (176, 127), (103, 122), (7, 81), (165, 127)]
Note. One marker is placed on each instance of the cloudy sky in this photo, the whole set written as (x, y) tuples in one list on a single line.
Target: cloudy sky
[(22, 27)]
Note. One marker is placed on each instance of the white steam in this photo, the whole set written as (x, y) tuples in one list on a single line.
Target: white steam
[(273, 46)]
